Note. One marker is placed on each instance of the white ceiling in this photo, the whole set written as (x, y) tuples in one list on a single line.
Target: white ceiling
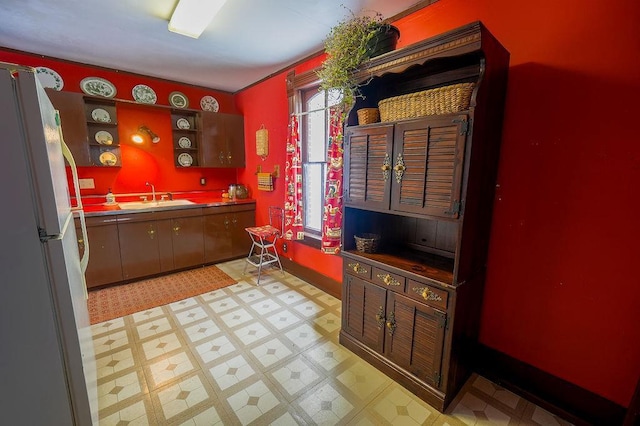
[(247, 41)]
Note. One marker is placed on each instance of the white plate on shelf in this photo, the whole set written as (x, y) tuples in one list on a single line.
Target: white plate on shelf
[(178, 100), (97, 86), (185, 160), (49, 78), (104, 138), (101, 115), (183, 123), (144, 94), (209, 103), (184, 142), (108, 159)]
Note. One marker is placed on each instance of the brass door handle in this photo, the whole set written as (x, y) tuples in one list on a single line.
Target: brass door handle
[(226, 222), (386, 166), (380, 318), (357, 268), (391, 323), (176, 229), (399, 168), (151, 232)]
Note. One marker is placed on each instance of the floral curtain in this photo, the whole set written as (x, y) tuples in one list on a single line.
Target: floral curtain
[(332, 217), (293, 226)]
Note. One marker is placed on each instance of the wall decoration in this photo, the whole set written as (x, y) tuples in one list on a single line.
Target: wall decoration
[(144, 94), (209, 103), (97, 86), (178, 100), (49, 78)]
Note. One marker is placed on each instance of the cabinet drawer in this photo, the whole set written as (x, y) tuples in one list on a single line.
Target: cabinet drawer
[(360, 269), (427, 294), (389, 280)]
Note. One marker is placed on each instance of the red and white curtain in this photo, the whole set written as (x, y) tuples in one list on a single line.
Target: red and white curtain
[(332, 217), (293, 209)]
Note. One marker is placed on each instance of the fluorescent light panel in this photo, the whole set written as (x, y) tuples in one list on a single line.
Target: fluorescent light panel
[(191, 17)]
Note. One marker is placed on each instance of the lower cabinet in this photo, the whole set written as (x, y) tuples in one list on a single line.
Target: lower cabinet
[(224, 231), (139, 245), (397, 323), (104, 256), (129, 246)]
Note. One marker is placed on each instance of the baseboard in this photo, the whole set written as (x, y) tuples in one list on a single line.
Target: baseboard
[(569, 401), (315, 278)]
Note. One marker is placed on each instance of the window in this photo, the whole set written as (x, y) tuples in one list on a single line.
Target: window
[(314, 139)]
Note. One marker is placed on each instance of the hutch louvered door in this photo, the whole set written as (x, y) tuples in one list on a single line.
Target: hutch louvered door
[(365, 313), (415, 335), (427, 165), (368, 166)]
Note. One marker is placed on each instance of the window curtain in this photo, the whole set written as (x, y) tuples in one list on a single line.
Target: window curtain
[(293, 226), (332, 216)]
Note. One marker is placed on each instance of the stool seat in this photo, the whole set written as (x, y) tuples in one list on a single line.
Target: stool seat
[(264, 231)]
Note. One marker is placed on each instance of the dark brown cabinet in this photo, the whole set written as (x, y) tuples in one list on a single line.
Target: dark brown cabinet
[(425, 185), (222, 138), (74, 124), (139, 245), (224, 231), (187, 239), (104, 254), (90, 128)]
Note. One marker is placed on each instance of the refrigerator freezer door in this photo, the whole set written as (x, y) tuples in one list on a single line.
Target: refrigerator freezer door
[(45, 151)]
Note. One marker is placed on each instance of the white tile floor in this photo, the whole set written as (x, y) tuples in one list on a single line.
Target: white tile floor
[(266, 355)]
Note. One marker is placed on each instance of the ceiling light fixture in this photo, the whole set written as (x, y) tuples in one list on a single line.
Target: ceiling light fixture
[(191, 17), (137, 137)]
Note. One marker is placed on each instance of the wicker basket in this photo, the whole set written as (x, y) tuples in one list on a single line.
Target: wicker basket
[(367, 243), (368, 115), (442, 100)]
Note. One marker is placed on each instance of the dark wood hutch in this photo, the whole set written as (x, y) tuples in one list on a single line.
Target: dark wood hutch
[(412, 309)]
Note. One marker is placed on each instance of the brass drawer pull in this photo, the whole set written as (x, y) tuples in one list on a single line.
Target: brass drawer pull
[(357, 268), (386, 166), (388, 280), (427, 294), (399, 168)]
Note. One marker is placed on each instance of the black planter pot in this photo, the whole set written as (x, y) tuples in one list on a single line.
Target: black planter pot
[(384, 41)]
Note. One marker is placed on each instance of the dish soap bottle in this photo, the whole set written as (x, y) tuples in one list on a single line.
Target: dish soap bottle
[(111, 199)]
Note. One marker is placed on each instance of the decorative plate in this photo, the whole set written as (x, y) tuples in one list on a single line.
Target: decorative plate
[(183, 123), (178, 100), (97, 86), (104, 138), (185, 160), (209, 103), (144, 94), (184, 142), (108, 158), (101, 115), (49, 78)]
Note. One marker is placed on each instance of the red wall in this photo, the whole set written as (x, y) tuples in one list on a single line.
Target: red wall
[(559, 292), (147, 162)]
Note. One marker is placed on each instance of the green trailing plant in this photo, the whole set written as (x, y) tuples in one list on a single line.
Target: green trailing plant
[(347, 48)]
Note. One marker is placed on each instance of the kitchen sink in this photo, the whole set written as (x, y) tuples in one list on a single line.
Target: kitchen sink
[(138, 205)]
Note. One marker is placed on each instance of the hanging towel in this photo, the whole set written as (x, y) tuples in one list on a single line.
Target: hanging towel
[(265, 182)]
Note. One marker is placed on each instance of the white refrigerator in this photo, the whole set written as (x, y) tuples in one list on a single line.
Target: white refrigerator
[(47, 361)]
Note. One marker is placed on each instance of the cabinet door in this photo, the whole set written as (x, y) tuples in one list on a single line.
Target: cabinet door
[(217, 237), (364, 314), (104, 254), (368, 165), (139, 249), (188, 241), (213, 150), (74, 124), (415, 336), (241, 242), (234, 134), (428, 161)]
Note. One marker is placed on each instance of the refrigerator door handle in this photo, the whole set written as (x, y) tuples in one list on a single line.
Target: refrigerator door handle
[(66, 152)]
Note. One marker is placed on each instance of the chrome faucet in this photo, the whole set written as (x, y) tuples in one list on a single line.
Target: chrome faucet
[(153, 191)]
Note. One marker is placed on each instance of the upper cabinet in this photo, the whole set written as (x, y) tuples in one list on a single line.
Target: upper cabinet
[(89, 128), (222, 140)]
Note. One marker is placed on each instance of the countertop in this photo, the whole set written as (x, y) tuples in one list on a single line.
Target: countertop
[(199, 202)]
